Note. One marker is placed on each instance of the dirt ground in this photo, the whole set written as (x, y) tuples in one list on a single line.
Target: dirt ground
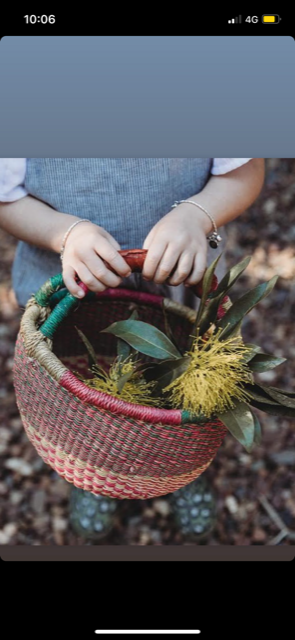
[(34, 500)]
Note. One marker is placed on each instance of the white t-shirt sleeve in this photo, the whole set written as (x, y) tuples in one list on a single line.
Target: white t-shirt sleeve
[(12, 177), (13, 171), (224, 165)]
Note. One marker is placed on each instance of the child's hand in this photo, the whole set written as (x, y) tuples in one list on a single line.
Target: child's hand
[(177, 240), (85, 249)]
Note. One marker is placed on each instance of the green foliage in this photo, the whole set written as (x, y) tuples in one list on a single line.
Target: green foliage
[(209, 314), (279, 396), (144, 338), (135, 337), (168, 330), (206, 286), (91, 353), (253, 350), (230, 278), (240, 423), (241, 307), (257, 429), (123, 349), (165, 372), (264, 361)]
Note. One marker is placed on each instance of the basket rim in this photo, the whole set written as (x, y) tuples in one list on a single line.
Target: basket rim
[(39, 347)]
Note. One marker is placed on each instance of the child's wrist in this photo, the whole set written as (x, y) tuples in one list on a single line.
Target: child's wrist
[(68, 232), (200, 218), (63, 226)]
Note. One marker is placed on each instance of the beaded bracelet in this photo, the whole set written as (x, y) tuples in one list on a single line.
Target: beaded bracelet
[(214, 237), (66, 235)]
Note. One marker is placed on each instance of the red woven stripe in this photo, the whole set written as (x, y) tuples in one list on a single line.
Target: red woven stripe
[(98, 442), (105, 401), (112, 484), (101, 438), (130, 294)]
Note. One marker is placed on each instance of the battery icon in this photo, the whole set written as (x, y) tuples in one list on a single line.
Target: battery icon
[(273, 18)]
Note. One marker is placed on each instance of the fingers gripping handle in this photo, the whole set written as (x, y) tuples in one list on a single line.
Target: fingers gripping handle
[(135, 259)]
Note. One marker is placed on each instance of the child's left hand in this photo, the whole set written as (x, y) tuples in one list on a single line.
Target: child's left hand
[(177, 241)]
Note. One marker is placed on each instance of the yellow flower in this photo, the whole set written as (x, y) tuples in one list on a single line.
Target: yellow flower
[(135, 389), (214, 377)]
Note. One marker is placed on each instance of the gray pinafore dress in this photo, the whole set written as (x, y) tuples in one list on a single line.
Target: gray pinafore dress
[(126, 196)]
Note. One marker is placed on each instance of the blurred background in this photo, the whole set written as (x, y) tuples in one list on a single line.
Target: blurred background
[(255, 493)]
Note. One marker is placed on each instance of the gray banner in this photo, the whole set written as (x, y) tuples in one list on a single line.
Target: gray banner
[(147, 96), (125, 553)]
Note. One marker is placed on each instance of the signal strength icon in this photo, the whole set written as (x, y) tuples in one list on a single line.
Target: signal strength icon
[(235, 20)]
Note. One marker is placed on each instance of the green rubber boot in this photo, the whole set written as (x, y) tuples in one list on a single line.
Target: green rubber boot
[(194, 509), (91, 516)]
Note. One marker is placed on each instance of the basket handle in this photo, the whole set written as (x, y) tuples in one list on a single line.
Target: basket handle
[(135, 259)]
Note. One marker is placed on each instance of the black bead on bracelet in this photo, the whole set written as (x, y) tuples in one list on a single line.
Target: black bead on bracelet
[(214, 237)]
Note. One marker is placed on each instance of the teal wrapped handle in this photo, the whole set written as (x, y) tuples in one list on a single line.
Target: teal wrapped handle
[(53, 292), (45, 292)]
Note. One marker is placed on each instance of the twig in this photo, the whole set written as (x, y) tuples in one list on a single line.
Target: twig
[(284, 531), (277, 539), (272, 513)]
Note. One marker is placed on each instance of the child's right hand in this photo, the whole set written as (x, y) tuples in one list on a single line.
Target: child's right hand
[(85, 249)]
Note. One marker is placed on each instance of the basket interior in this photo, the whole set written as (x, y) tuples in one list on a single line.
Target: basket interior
[(93, 316)]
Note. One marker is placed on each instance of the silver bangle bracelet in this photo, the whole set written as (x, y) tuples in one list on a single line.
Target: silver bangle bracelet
[(67, 233), (214, 238)]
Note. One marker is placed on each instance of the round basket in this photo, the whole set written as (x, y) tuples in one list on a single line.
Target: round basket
[(93, 440)]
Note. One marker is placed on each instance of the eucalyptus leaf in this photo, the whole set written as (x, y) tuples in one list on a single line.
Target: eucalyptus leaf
[(168, 329), (91, 353), (165, 372), (244, 305), (279, 396), (206, 286), (257, 429), (144, 338), (253, 349), (290, 394), (274, 409), (134, 315), (234, 331), (256, 393), (123, 379), (140, 367), (265, 362), (209, 314), (123, 349), (230, 278), (240, 423)]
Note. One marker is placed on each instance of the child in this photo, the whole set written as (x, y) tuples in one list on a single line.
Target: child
[(122, 203)]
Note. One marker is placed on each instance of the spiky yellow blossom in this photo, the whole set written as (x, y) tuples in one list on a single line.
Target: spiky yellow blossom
[(135, 389), (214, 377)]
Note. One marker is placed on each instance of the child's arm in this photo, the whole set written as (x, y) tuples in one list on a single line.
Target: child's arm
[(35, 222), (179, 238)]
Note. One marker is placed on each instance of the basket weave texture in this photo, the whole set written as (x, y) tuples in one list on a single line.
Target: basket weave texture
[(97, 442)]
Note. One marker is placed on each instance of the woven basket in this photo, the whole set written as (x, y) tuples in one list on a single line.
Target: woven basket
[(93, 440)]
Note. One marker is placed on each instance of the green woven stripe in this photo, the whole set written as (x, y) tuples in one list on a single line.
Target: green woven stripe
[(42, 296), (58, 314), (191, 418)]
